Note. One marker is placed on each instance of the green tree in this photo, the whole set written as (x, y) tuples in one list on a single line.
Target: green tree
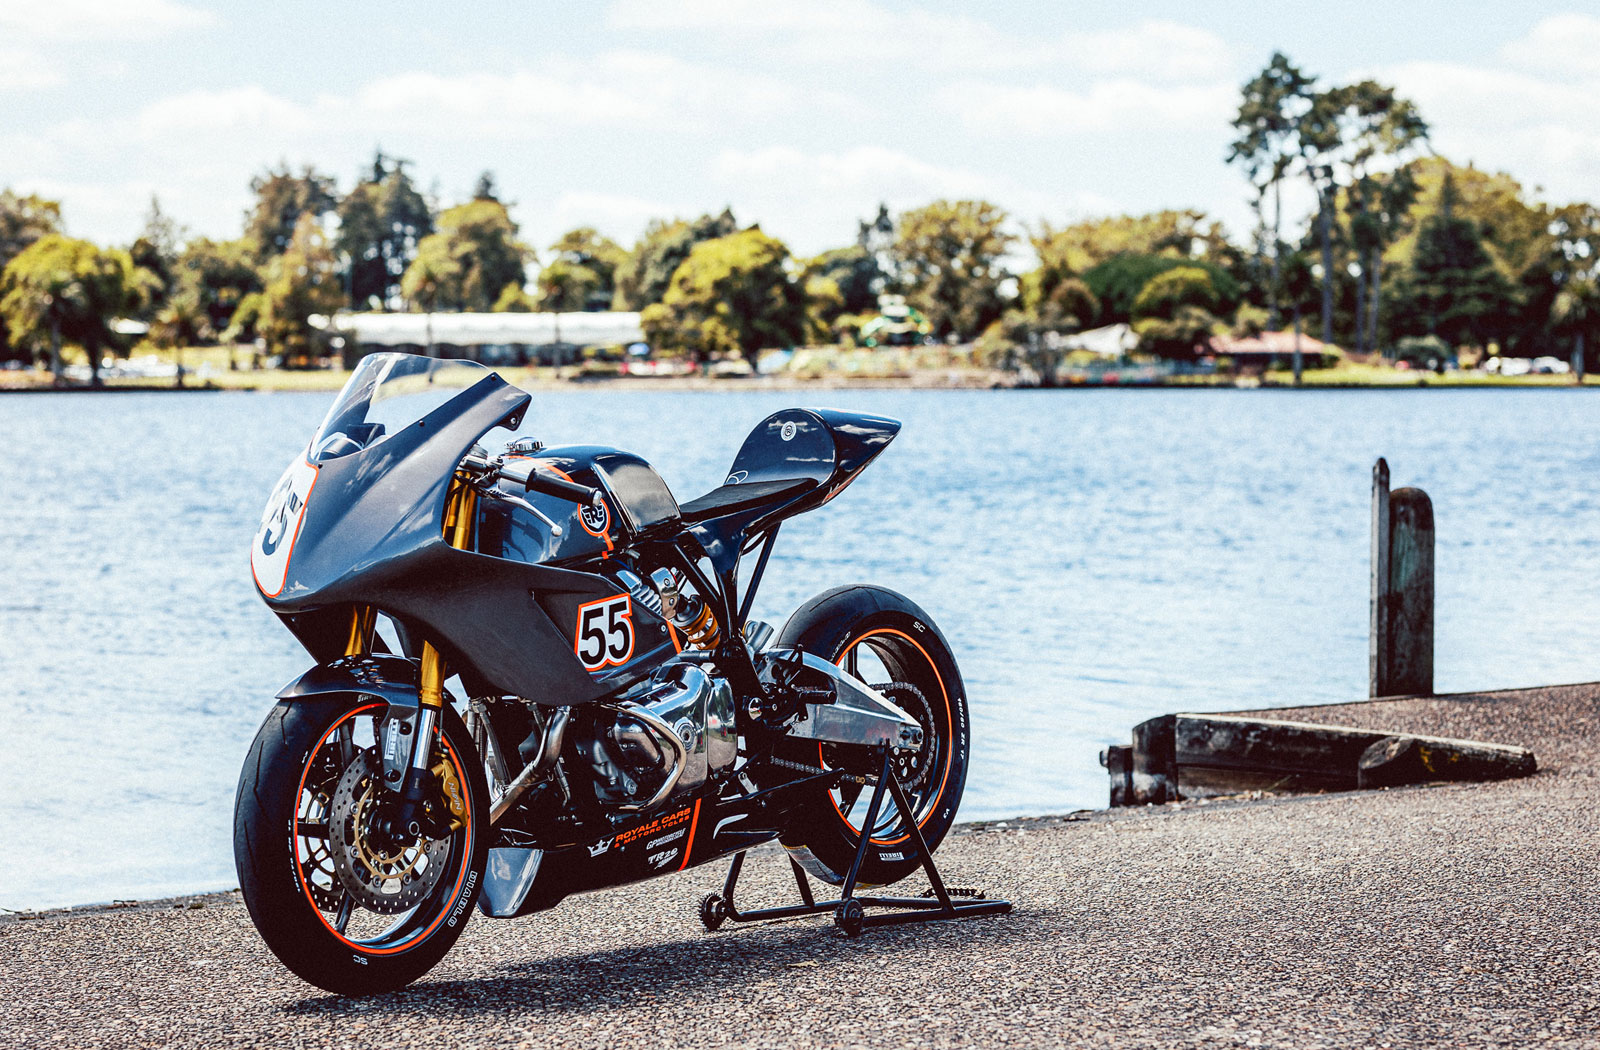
[(62, 290), (1454, 289), (433, 279), (302, 281), (216, 276), (949, 257), (647, 273), (281, 198), (23, 220), (1380, 214), (582, 273), (732, 295), (155, 251), (382, 220), (1117, 282), (855, 277), (1267, 126), (1176, 311), (469, 261)]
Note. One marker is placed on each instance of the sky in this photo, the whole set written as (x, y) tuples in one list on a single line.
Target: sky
[(801, 117)]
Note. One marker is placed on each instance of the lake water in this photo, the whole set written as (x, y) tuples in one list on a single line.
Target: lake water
[(1095, 558)]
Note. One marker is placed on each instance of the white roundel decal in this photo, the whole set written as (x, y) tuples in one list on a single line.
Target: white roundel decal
[(280, 527), (595, 517), (788, 430)]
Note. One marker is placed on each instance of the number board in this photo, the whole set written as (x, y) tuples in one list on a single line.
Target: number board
[(605, 633)]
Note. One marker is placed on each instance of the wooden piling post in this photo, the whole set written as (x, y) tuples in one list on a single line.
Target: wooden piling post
[(1400, 650)]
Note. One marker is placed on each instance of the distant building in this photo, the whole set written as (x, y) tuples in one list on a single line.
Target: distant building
[(1111, 341), (1271, 349), (493, 338)]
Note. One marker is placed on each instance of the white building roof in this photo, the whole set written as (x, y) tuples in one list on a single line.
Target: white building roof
[(527, 329), (1110, 341)]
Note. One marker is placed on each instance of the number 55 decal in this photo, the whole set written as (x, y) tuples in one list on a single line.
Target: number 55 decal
[(605, 632)]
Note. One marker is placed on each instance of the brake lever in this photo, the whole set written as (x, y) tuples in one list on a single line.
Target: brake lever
[(491, 492)]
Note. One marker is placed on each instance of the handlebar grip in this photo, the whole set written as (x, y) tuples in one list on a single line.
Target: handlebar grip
[(583, 495)]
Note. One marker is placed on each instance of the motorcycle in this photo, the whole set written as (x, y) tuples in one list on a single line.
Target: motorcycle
[(536, 676)]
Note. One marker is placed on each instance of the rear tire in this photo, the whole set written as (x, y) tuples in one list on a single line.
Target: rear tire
[(292, 887), (839, 625)]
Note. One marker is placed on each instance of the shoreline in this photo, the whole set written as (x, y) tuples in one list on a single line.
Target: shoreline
[(766, 384)]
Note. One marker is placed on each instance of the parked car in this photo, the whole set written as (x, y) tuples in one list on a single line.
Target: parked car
[(1550, 366)]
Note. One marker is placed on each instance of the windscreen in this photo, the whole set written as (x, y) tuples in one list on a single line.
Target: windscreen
[(387, 393)]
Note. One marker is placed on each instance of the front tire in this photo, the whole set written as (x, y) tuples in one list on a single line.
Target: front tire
[(307, 761), (882, 637)]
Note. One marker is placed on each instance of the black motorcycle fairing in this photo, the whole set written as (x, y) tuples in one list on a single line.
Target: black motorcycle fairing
[(793, 461), (373, 535)]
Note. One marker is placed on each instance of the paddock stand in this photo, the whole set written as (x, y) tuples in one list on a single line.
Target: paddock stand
[(849, 911)]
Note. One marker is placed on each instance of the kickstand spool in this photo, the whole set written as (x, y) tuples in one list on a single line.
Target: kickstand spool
[(850, 911)]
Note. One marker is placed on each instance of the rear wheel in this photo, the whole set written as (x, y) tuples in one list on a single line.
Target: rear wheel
[(341, 899), (885, 640)]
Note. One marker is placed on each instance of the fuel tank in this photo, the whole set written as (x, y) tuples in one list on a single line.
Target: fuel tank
[(636, 501)]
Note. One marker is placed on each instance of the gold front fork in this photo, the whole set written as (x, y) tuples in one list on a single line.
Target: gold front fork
[(460, 509), (362, 620)]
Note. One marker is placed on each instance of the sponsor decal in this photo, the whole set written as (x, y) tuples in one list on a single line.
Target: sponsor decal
[(666, 839), (280, 527), (725, 821), (597, 848), (644, 831), (662, 859), (595, 518), (461, 903), (605, 632), (737, 477), (891, 856)]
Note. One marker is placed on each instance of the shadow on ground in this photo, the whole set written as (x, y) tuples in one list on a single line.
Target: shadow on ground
[(707, 967)]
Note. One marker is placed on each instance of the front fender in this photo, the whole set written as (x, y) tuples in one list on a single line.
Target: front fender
[(391, 679)]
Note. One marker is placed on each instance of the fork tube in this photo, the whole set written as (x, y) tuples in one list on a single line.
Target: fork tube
[(459, 510), (362, 620)]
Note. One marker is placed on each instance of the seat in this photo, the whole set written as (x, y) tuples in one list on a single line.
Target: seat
[(726, 500)]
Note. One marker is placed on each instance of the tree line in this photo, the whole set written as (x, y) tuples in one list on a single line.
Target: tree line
[(1402, 252)]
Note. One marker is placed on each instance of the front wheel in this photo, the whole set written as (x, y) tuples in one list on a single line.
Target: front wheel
[(338, 896), (885, 640)]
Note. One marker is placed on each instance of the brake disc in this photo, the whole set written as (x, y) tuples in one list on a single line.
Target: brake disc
[(384, 880)]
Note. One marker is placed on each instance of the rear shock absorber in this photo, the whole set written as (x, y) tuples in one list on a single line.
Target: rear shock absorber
[(689, 613)]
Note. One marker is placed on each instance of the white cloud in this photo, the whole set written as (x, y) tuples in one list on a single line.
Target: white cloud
[(848, 31), (97, 19), (1544, 130), (232, 109), (812, 200), (1106, 105), (1559, 46), (26, 70), (618, 216), (860, 31)]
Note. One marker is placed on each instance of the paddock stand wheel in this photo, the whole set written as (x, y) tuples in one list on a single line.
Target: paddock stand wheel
[(713, 910), (850, 911), (850, 917)]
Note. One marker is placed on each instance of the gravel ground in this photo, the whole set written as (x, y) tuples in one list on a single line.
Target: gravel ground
[(1456, 915)]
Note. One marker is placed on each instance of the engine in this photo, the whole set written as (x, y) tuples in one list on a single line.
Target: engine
[(668, 736)]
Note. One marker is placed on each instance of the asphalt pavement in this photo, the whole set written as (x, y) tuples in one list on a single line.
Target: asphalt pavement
[(1448, 915)]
